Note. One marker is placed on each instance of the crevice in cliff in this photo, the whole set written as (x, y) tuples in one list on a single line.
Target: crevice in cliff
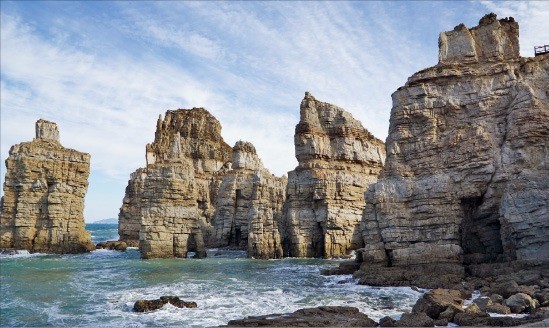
[(480, 233)]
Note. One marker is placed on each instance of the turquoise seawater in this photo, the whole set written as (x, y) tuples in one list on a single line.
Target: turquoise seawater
[(99, 288)]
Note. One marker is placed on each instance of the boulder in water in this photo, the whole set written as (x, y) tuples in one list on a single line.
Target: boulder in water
[(323, 316), (152, 305)]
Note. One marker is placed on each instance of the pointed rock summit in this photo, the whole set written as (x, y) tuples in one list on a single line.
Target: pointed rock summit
[(338, 159), (169, 205)]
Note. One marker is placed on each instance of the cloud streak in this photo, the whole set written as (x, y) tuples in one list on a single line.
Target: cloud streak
[(104, 71)]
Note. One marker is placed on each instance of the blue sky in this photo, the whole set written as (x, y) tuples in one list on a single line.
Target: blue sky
[(104, 71)]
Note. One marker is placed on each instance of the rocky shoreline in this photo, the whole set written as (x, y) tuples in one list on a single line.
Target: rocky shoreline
[(455, 201)]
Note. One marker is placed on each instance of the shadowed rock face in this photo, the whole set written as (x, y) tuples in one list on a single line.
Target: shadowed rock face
[(44, 190), (466, 179), (338, 160), (172, 200), (249, 205)]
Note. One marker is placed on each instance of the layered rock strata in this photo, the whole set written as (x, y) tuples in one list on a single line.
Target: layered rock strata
[(249, 205), (338, 159), (466, 179), (44, 190), (185, 139)]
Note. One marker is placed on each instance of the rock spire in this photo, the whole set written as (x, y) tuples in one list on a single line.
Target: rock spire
[(44, 190), (338, 160)]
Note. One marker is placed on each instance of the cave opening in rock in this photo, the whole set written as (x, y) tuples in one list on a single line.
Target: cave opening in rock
[(191, 243), (480, 232), (237, 236), (319, 240)]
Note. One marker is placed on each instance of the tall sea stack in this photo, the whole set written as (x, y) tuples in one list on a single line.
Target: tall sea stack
[(44, 190), (338, 159), (169, 205), (466, 182), (249, 205)]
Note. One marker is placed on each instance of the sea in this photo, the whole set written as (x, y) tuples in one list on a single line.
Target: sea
[(99, 288)]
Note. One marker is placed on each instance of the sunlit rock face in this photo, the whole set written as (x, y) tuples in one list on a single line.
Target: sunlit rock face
[(249, 205), (44, 190), (338, 160), (190, 154), (466, 179)]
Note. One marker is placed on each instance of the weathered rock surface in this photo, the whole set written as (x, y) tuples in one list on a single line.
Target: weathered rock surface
[(323, 316), (112, 245), (338, 160), (491, 40), (466, 179), (436, 301), (152, 305), (249, 205), (200, 145), (44, 190), (415, 320), (520, 302)]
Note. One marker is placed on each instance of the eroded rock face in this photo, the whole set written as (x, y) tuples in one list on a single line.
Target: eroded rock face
[(169, 204), (466, 179), (44, 190), (338, 160), (249, 205), (491, 40), (189, 149)]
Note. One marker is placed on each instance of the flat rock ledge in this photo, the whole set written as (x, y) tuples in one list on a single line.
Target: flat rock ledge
[(152, 305), (323, 316)]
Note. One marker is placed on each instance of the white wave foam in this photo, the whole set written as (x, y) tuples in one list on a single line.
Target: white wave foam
[(19, 254)]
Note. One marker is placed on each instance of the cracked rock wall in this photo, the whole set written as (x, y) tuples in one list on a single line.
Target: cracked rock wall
[(202, 144), (249, 205), (169, 204), (466, 178), (338, 160), (44, 190)]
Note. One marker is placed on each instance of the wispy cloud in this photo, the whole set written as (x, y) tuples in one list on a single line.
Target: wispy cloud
[(104, 71)]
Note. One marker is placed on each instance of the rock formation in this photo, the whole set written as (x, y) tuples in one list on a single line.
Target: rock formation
[(190, 153), (323, 316), (338, 160), (249, 205), (129, 218), (466, 179), (44, 190)]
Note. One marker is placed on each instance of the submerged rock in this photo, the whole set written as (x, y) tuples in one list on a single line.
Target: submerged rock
[(465, 181), (152, 305), (323, 316), (338, 160), (44, 190)]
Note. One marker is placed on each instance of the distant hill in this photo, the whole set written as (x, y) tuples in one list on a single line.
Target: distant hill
[(106, 221)]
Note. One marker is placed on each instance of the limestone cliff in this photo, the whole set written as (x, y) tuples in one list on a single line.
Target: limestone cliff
[(466, 178), (44, 190), (201, 143), (338, 160), (249, 205)]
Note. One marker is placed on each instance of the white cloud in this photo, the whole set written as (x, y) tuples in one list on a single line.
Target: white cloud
[(248, 63)]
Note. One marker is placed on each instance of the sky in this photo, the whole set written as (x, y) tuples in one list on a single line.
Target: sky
[(104, 71)]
